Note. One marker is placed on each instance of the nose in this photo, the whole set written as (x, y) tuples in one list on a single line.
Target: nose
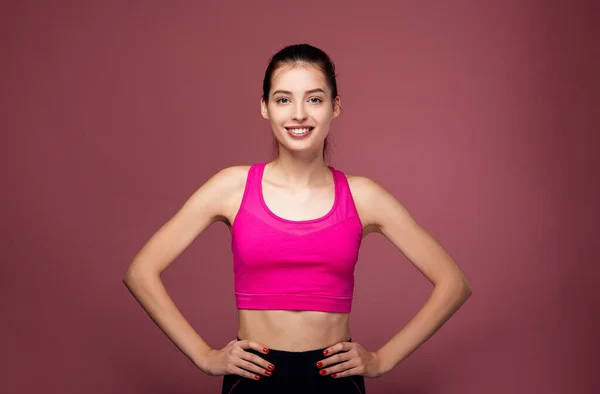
[(299, 113)]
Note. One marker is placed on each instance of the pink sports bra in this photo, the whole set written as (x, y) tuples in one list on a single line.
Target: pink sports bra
[(282, 264)]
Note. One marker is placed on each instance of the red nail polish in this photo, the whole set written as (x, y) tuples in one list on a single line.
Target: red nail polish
[(319, 364), (271, 367), (257, 377), (326, 352), (268, 373), (333, 375), (323, 372), (266, 350)]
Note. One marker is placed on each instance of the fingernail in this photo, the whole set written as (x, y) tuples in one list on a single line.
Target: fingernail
[(326, 352), (266, 350), (257, 377), (323, 372), (333, 375), (271, 367), (319, 364), (268, 373)]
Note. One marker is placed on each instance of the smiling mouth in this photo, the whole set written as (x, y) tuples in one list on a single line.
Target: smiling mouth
[(299, 131)]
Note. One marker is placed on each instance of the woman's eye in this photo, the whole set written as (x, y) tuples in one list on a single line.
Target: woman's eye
[(315, 100), (281, 100)]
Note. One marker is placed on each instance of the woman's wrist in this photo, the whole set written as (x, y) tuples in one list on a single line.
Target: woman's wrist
[(386, 364), (201, 359)]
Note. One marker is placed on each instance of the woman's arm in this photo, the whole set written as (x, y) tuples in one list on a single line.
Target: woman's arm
[(206, 206), (381, 212)]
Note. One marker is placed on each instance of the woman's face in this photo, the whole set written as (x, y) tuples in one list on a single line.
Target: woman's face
[(300, 108)]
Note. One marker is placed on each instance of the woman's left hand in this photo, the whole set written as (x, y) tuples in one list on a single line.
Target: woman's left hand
[(350, 358)]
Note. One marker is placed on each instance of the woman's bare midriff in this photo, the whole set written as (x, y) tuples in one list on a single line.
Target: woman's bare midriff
[(293, 331)]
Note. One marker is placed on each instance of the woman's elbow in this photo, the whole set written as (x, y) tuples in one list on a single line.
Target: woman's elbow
[(457, 286), (137, 273)]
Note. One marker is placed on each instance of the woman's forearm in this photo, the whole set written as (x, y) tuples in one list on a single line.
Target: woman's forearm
[(445, 300), (149, 291)]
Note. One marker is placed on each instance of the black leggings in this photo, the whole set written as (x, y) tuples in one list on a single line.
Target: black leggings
[(294, 373)]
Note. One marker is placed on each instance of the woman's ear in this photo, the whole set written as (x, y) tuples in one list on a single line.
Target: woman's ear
[(337, 106), (263, 109)]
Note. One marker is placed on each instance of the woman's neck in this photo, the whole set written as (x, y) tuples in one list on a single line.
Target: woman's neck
[(296, 171)]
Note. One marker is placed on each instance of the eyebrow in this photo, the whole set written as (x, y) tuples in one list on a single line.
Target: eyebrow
[(307, 92)]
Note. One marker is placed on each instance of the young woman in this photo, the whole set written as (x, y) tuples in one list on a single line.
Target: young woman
[(296, 225)]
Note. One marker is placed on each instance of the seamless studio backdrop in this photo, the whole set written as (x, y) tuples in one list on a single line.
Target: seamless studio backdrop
[(481, 117)]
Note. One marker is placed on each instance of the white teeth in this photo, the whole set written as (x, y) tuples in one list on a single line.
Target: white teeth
[(299, 131)]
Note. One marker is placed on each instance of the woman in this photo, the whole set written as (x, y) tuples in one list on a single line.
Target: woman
[(296, 226)]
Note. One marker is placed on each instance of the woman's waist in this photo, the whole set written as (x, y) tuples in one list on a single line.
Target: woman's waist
[(293, 330)]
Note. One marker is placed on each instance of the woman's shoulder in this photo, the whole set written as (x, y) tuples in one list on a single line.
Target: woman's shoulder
[(368, 190), (362, 186), (233, 173), (220, 193), (231, 177), (371, 199)]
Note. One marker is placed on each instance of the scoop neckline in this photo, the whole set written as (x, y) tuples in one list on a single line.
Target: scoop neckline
[(273, 214)]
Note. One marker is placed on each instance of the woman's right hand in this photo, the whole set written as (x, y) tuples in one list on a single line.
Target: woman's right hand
[(233, 359)]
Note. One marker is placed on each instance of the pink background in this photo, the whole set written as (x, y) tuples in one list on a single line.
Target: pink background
[(480, 116)]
